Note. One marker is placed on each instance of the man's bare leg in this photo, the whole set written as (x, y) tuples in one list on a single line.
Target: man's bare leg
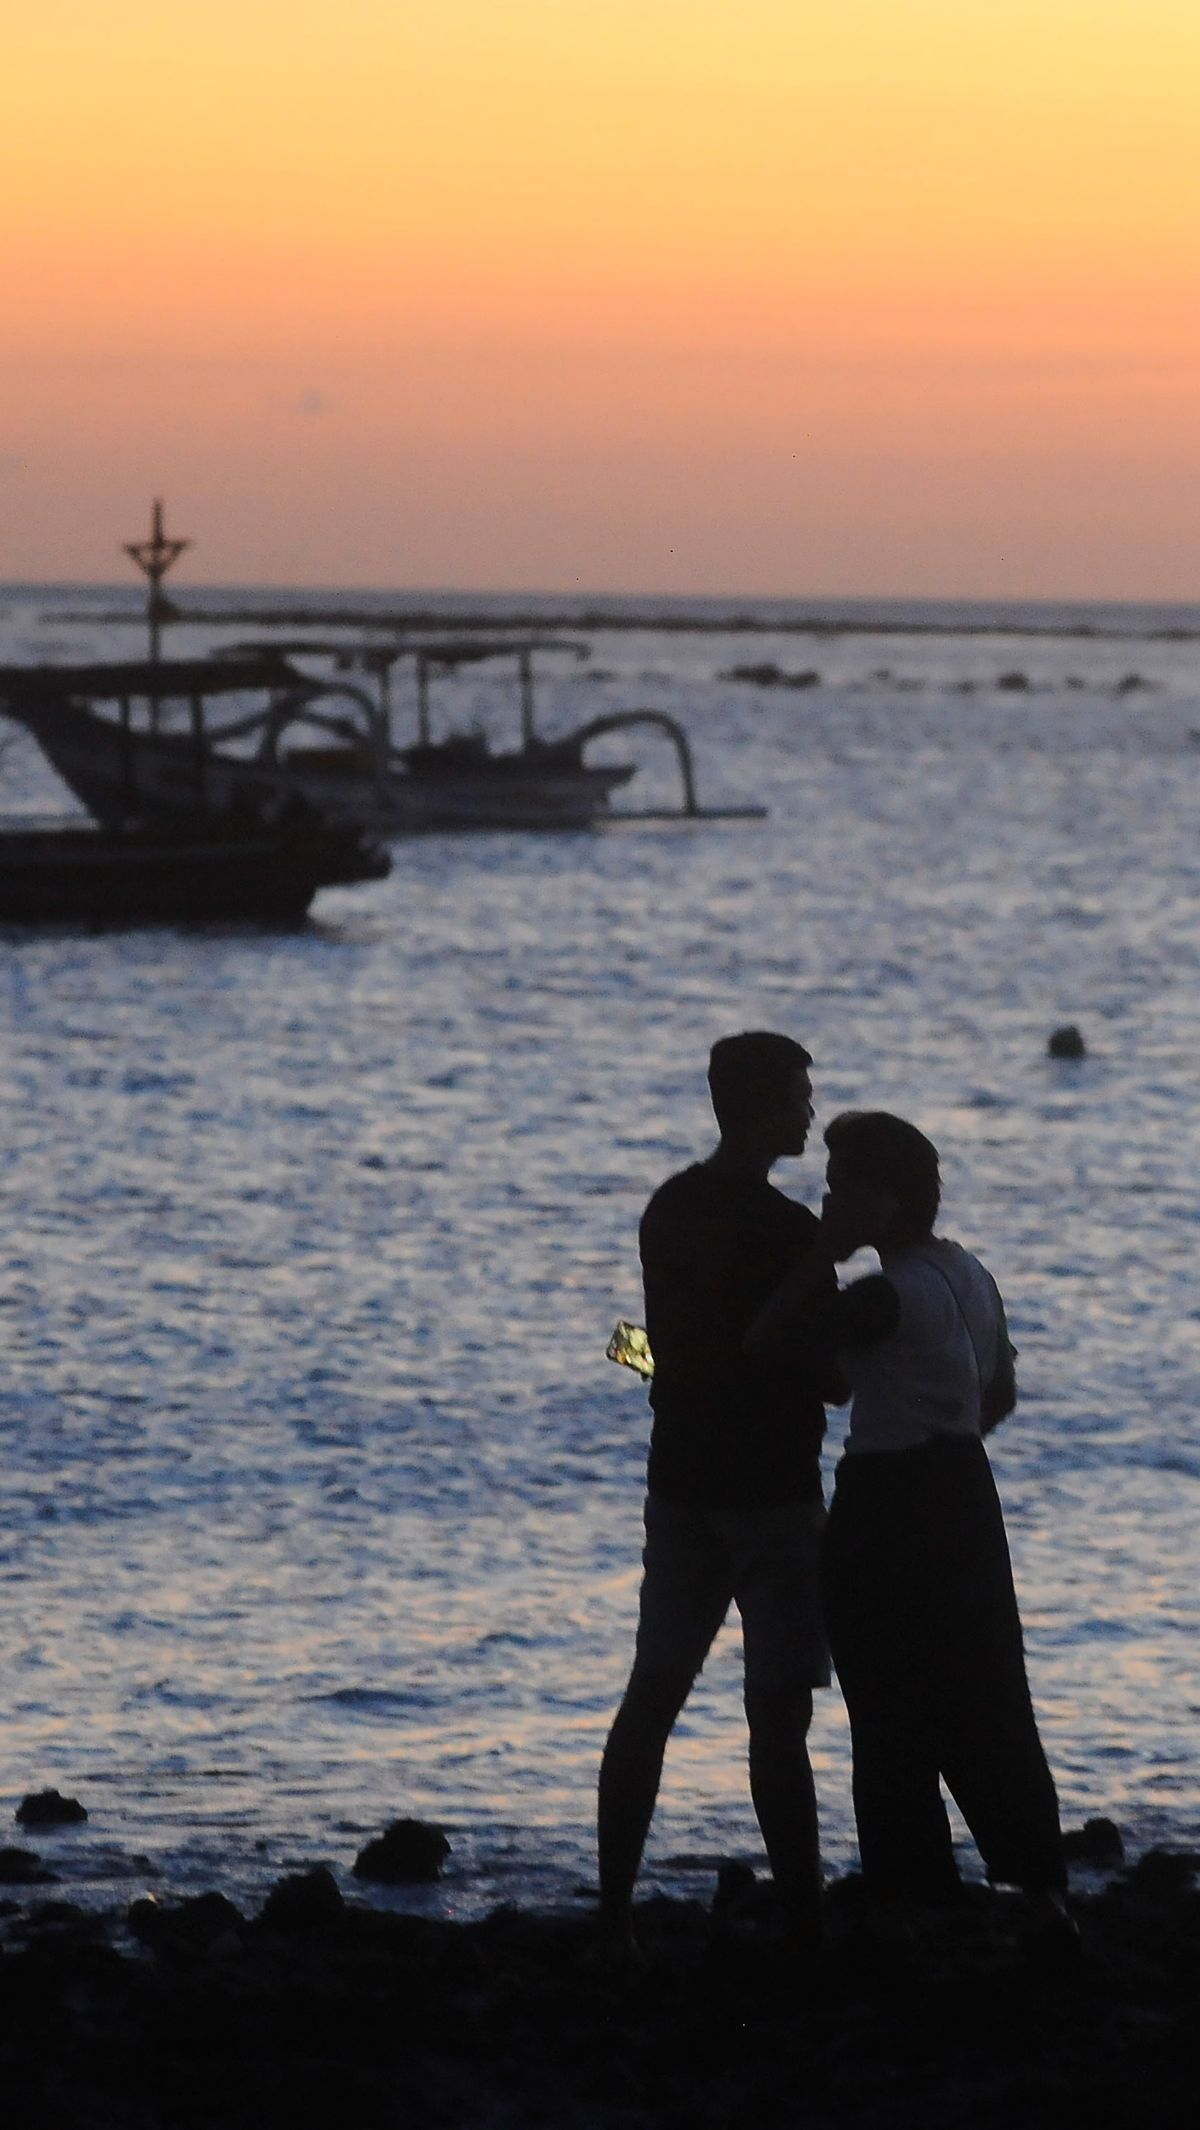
[(630, 1772), (785, 1802)]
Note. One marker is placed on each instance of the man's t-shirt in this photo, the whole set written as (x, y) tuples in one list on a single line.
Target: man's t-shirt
[(729, 1432)]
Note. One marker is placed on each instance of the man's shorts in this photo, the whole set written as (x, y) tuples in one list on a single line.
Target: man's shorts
[(766, 1561)]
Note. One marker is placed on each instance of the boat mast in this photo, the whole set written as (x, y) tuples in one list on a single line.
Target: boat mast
[(154, 558), (423, 729), (525, 669)]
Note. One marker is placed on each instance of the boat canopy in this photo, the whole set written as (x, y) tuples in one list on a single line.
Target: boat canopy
[(163, 679)]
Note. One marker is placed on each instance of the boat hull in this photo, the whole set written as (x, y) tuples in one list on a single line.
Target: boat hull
[(119, 775), (98, 877)]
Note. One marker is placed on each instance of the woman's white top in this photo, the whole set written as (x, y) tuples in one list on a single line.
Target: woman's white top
[(927, 1378)]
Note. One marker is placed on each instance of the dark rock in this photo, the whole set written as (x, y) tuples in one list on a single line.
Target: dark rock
[(769, 675), (1163, 1874), (209, 1916), (1066, 1043), (23, 1867), (764, 675), (146, 1918), (65, 1917), (846, 1901), (408, 1853), (1098, 1841), (736, 1887), (310, 1900), (667, 1918), (196, 1924), (49, 1808)]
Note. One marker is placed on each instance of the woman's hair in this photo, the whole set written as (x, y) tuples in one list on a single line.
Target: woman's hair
[(752, 1072), (888, 1154)]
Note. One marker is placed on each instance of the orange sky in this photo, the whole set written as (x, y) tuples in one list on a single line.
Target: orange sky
[(701, 295)]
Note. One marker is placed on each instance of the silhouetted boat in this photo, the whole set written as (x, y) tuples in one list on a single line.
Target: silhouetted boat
[(80, 873), (136, 767), (318, 741), (323, 742)]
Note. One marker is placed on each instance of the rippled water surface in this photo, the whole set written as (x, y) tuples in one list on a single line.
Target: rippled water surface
[(321, 1503)]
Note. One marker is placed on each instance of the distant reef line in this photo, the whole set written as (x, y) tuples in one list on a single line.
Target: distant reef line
[(594, 619)]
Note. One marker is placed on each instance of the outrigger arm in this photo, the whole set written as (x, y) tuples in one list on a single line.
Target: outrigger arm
[(691, 810)]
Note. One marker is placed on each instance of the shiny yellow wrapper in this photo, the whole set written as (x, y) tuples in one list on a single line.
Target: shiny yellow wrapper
[(631, 1348)]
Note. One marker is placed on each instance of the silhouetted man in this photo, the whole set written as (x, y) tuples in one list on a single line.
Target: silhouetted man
[(733, 1505)]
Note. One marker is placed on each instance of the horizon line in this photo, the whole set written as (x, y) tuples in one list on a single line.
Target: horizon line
[(672, 614), (265, 587)]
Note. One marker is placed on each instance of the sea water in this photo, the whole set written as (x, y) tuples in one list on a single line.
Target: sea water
[(320, 1502)]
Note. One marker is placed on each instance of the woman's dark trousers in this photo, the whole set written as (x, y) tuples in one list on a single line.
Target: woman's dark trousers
[(926, 1639)]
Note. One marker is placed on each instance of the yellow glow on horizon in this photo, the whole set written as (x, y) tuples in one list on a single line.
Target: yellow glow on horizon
[(674, 188)]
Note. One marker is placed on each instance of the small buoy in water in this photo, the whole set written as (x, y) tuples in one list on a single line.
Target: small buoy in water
[(1067, 1043)]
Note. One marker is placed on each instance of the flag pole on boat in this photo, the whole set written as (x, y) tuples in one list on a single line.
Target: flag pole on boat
[(154, 557)]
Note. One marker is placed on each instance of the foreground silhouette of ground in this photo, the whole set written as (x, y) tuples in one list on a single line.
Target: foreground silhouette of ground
[(328, 2012)]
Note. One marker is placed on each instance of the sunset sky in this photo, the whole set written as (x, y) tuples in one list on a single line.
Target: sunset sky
[(777, 296)]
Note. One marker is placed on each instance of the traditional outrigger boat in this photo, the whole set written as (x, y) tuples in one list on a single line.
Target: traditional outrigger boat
[(458, 780), (139, 741), (135, 741)]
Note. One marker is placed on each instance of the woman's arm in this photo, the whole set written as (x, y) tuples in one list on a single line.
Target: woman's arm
[(1000, 1392), (809, 1320)]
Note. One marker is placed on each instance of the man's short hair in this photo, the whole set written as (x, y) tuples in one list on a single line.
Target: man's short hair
[(753, 1072), (887, 1153)]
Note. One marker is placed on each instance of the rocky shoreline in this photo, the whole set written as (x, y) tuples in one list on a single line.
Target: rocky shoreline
[(324, 2010)]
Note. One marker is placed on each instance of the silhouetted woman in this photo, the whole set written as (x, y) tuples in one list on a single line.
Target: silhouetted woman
[(920, 1606)]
